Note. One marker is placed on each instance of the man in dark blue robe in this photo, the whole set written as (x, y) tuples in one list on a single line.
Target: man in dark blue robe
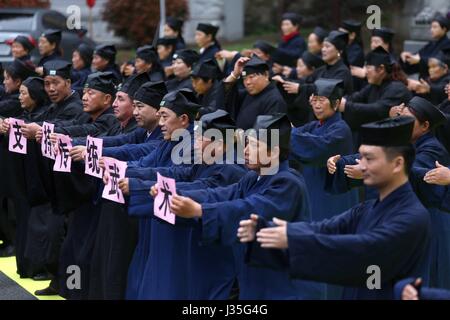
[(388, 235), (271, 188)]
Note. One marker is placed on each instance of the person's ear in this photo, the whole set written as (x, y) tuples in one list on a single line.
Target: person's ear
[(426, 125), (274, 153), (184, 119), (399, 164), (108, 100)]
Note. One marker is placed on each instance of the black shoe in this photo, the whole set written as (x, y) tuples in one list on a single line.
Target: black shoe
[(7, 251), (49, 291), (43, 276)]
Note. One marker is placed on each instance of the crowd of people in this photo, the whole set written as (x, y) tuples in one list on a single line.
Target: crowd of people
[(351, 173)]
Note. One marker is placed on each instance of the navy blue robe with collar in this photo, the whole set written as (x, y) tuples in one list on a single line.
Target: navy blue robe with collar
[(312, 145), (281, 195), (391, 234), (294, 47), (209, 52), (428, 150), (146, 272)]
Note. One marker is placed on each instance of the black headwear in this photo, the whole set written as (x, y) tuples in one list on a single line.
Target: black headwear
[(338, 38), (102, 81), (219, 119), (182, 102), (35, 86), (333, 89), (53, 36), (390, 132), (206, 69), (279, 122), (264, 46), (442, 20), (86, 52), (378, 57), (189, 56), (107, 52), (21, 69), (424, 110), (294, 18), (151, 93), (147, 53), (57, 68), (384, 33), (255, 65), (208, 28), (133, 83), (174, 23), (351, 25), (321, 33)]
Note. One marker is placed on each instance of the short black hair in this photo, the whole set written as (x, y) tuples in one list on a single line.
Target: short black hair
[(407, 152)]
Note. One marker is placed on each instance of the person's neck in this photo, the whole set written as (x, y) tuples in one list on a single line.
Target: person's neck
[(124, 123), (150, 128), (392, 186), (334, 61), (98, 113), (209, 44)]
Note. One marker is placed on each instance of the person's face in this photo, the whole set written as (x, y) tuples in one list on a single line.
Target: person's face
[(437, 31), (260, 54), (302, 69), (375, 75), (146, 116), (141, 65), (45, 47), (255, 83), (57, 88), (202, 39), (322, 108), (180, 69), (123, 106), (287, 27), (164, 52), (258, 155), (376, 41), (377, 170), (10, 84), (200, 86), (435, 69), (25, 99), (94, 101), (99, 63), (169, 122), (215, 148), (314, 46), (419, 128), (77, 62), (329, 52), (169, 32), (18, 51)]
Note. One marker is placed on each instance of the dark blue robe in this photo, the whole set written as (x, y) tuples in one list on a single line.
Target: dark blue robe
[(424, 293), (294, 47), (210, 52), (281, 195), (312, 145), (199, 259), (391, 234)]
